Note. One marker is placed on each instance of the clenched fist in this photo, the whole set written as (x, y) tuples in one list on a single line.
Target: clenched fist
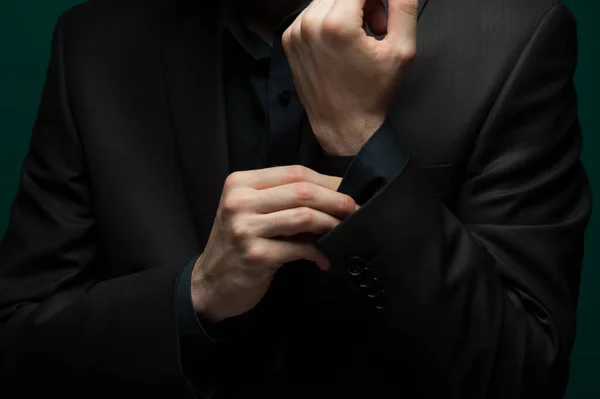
[(346, 79), (258, 227)]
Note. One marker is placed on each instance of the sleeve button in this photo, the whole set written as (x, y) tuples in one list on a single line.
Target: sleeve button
[(366, 279), (374, 289), (382, 302), (355, 266)]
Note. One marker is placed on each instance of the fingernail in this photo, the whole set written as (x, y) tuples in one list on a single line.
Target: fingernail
[(357, 207)]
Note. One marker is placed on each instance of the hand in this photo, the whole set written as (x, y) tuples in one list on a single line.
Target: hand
[(345, 79), (260, 217)]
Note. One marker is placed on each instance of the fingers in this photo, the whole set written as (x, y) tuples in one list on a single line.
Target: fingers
[(402, 19), (294, 30), (348, 13), (303, 194), (311, 19), (277, 252), (266, 178), (292, 222)]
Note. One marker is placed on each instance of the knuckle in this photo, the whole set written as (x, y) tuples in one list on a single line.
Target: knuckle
[(297, 173), (286, 38), (239, 230), (334, 27), (233, 203), (309, 28), (255, 253), (304, 191), (234, 179), (304, 216), (229, 205), (295, 33), (406, 52)]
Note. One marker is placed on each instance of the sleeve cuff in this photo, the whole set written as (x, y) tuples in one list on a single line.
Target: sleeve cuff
[(193, 337), (333, 165), (381, 159)]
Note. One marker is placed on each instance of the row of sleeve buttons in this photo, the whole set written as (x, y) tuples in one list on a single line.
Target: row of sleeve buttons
[(359, 271)]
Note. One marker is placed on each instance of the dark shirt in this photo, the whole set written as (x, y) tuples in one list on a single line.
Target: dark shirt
[(264, 123)]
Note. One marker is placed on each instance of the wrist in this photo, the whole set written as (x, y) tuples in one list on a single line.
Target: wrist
[(347, 138), (214, 329), (201, 297)]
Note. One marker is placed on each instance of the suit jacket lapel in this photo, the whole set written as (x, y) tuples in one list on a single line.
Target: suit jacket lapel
[(422, 4), (196, 97)]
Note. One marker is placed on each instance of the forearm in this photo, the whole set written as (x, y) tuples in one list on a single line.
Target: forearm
[(467, 298), (379, 160), (482, 288), (119, 336), (200, 339)]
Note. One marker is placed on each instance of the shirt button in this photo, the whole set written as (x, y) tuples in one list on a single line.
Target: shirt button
[(285, 98)]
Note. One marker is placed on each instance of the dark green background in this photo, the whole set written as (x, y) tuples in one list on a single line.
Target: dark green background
[(25, 32)]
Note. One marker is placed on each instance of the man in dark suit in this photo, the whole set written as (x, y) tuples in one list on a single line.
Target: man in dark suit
[(261, 199)]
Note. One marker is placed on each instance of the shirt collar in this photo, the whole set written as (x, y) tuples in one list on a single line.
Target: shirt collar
[(230, 21)]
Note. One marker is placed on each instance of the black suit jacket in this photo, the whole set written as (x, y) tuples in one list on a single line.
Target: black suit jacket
[(476, 245)]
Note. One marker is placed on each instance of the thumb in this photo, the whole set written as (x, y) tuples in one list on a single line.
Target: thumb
[(402, 19), (333, 182)]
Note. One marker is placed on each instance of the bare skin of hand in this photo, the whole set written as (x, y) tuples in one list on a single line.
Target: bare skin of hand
[(346, 79), (261, 215)]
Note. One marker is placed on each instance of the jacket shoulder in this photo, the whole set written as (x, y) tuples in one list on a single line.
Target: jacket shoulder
[(493, 30), (522, 17), (512, 18)]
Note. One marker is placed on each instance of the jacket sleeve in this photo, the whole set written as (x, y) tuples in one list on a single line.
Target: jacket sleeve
[(381, 158), (63, 325), (478, 300)]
